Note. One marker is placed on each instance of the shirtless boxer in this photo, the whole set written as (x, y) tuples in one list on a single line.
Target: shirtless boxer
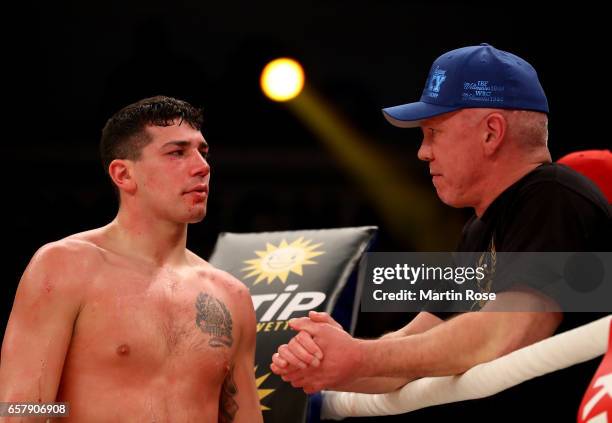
[(123, 322)]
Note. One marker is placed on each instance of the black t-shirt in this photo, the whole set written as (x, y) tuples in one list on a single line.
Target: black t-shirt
[(552, 208)]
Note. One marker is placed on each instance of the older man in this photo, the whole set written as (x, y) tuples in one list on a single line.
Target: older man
[(483, 114)]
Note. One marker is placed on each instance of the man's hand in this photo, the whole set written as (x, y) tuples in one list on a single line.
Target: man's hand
[(301, 351), (320, 336)]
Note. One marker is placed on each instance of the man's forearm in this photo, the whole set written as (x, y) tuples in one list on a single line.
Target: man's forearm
[(423, 322), (455, 346), (373, 385)]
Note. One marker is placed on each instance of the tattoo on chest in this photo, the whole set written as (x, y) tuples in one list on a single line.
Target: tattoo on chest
[(214, 319), (228, 407)]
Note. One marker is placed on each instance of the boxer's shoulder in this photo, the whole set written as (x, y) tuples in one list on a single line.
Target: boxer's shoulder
[(219, 277), (65, 255), (55, 273)]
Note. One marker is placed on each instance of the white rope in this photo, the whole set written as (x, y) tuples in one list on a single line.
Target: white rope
[(557, 352)]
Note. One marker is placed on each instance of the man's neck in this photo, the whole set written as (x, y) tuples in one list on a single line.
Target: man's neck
[(502, 180), (153, 240)]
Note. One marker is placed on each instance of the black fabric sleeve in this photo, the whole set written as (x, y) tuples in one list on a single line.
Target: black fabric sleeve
[(548, 216)]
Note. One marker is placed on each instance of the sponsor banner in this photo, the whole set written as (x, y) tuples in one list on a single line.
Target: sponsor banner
[(289, 274)]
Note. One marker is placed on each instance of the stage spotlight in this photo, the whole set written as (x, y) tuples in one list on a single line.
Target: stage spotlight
[(282, 79)]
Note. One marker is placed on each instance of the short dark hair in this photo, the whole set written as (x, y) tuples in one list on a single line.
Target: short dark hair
[(124, 135)]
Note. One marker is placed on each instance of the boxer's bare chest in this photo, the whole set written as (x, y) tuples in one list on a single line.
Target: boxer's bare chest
[(157, 321)]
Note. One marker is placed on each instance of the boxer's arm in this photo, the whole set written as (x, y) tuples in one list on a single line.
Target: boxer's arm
[(239, 402), (39, 329)]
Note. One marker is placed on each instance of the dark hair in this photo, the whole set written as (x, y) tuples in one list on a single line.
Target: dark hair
[(124, 135)]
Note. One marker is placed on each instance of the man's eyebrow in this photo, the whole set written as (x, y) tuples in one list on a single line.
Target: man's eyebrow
[(183, 143)]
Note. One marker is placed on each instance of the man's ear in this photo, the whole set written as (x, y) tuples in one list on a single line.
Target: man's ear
[(121, 172), (495, 132)]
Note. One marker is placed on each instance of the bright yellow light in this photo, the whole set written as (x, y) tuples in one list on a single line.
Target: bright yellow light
[(282, 79)]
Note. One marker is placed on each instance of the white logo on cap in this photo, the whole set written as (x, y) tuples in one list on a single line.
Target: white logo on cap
[(435, 82), (483, 91)]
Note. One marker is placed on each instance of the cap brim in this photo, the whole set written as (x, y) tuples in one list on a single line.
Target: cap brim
[(410, 115)]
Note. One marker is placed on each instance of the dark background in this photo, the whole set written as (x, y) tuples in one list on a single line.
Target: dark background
[(68, 67)]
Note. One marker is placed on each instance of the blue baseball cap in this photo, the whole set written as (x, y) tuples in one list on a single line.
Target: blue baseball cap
[(473, 77)]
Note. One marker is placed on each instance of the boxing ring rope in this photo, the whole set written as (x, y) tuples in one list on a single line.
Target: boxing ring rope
[(558, 352)]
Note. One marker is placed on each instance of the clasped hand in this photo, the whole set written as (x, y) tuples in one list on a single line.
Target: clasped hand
[(321, 356)]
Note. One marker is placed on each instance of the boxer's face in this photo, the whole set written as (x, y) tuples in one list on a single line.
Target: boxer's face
[(172, 174), (451, 145)]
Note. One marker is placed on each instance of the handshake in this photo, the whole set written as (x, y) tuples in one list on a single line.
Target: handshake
[(321, 356)]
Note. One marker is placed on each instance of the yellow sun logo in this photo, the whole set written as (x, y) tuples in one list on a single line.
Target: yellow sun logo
[(262, 392), (277, 262)]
